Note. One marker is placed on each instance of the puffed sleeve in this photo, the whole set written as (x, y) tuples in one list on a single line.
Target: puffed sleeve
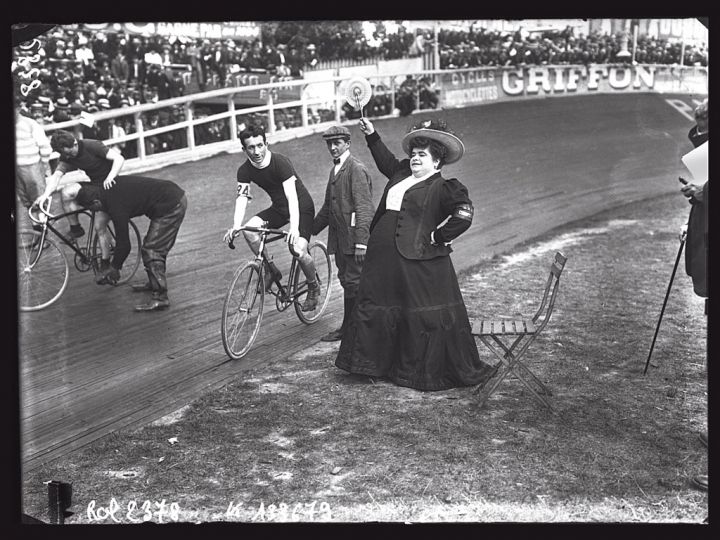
[(456, 204)]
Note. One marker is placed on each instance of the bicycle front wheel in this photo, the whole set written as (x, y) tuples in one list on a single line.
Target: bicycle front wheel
[(323, 274), (242, 311), (132, 263), (42, 271)]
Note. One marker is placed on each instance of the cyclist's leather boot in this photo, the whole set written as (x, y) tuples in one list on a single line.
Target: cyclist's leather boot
[(311, 300), (271, 274)]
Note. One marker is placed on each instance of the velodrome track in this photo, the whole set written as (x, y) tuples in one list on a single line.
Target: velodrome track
[(89, 365)]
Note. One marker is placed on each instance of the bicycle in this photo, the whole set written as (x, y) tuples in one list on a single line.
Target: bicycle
[(244, 301), (42, 267)]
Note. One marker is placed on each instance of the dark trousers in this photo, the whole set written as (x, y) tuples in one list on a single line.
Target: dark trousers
[(348, 273), (158, 241)]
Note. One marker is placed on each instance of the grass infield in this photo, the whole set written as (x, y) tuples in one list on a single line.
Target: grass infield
[(299, 440)]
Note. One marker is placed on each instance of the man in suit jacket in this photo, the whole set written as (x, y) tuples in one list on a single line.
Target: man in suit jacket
[(697, 245), (347, 212)]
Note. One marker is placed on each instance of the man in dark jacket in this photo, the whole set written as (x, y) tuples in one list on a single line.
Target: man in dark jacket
[(164, 202), (696, 252), (696, 247), (347, 212)]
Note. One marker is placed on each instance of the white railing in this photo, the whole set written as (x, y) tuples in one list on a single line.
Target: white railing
[(325, 94), (193, 151)]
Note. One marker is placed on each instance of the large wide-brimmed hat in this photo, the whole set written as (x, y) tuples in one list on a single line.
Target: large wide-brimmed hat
[(437, 131)]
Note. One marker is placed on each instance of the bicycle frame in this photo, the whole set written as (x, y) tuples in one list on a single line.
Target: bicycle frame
[(285, 296), (242, 316), (71, 243)]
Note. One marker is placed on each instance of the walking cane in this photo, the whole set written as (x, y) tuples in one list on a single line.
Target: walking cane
[(677, 260)]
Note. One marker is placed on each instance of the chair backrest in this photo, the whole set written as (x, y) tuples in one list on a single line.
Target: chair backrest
[(552, 283)]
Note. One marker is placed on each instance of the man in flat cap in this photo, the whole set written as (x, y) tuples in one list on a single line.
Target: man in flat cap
[(347, 212)]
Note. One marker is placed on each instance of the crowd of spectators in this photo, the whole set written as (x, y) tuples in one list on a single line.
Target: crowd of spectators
[(86, 71), (463, 49)]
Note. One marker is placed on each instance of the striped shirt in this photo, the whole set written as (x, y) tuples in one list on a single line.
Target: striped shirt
[(31, 143)]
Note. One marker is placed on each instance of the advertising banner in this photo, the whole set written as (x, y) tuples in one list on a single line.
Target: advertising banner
[(466, 87), (255, 97), (195, 30)]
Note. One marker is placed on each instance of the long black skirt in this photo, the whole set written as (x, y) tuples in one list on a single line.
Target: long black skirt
[(409, 323)]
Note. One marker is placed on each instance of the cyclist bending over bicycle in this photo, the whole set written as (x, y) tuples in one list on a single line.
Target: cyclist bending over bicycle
[(291, 203), (101, 164)]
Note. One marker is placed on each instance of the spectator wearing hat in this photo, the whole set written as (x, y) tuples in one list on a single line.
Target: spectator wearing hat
[(179, 136), (166, 56), (46, 101), (120, 68), (62, 110), (37, 112), (86, 57), (347, 212), (194, 53), (166, 84), (115, 131), (410, 323)]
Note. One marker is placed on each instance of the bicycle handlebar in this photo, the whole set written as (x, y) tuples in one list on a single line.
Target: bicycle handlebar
[(43, 210), (261, 230)]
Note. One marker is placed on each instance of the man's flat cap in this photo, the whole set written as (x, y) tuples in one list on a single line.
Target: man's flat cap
[(336, 132)]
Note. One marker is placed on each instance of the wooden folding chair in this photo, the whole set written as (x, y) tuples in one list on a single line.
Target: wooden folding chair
[(503, 336)]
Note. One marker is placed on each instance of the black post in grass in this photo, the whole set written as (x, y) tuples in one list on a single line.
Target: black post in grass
[(667, 294), (59, 500)]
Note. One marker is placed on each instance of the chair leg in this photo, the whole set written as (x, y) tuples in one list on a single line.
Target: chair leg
[(495, 382), (509, 353), (542, 388), (511, 364), (514, 363)]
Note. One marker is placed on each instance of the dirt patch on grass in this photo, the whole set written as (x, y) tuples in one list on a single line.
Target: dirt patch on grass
[(300, 440)]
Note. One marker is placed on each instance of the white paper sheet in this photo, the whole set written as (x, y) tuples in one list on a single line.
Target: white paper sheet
[(696, 162), (87, 119)]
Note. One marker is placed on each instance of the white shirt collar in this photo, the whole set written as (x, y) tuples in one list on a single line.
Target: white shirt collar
[(396, 193), (264, 163), (343, 157)]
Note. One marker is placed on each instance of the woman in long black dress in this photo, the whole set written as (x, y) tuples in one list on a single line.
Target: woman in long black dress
[(409, 323)]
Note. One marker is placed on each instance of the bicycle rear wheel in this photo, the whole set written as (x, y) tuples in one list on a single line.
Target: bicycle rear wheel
[(242, 311), (323, 274), (42, 271), (132, 263)]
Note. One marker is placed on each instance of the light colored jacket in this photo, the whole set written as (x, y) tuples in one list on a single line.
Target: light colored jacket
[(31, 143)]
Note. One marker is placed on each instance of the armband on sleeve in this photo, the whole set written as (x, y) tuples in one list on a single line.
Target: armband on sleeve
[(243, 190), (463, 211)]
